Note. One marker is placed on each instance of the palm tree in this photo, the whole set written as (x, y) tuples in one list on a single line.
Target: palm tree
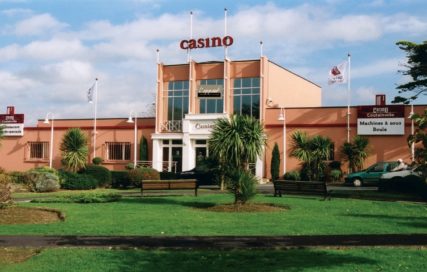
[(355, 152), (312, 152), (235, 143), (74, 150)]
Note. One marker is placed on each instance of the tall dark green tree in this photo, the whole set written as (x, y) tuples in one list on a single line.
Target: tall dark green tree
[(275, 163), (416, 69), (420, 136), (74, 150), (143, 149), (235, 143)]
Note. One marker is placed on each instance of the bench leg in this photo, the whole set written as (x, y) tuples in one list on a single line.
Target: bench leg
[(195, 192)]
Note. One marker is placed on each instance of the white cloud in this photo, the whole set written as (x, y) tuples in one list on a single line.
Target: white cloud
[(17, 12), (379, 67), (37, 25)]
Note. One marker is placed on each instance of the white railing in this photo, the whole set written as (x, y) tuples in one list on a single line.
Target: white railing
[(171, 126), (165, 165)]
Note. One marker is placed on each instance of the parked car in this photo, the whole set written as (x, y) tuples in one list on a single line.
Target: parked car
[(371, 175), (410, 172)]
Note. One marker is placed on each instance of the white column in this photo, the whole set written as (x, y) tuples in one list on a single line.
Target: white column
[(157, 155)]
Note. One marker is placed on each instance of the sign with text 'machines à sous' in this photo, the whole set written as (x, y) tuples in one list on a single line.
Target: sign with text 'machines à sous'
[(381, 120), (13, 124)]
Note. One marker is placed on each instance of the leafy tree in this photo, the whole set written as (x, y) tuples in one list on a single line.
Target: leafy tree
[(416, 69), (312, 152), (143, 149), (235, 143), (355, 152), (74, 150), (420, 136), (275, 162)]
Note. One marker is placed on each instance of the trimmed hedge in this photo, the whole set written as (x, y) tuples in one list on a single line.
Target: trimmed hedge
[(168, 175), (412, 185), (82, 198), (120, 179), (137, 175), (100, 173), (292, 175), (74, 181), (5, 193)]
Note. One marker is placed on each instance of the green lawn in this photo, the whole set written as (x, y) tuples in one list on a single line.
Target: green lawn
[(359, 259), (183, 215)]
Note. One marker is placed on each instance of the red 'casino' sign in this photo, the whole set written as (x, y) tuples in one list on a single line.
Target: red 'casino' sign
[(206, 42)]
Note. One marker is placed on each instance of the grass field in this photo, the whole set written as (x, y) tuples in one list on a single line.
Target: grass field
[(184, 215), (360, 259)]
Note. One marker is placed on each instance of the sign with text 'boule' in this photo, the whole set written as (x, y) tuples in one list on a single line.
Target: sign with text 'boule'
[(381, 120)]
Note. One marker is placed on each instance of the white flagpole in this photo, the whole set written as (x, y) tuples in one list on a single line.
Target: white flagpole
[(94, 121), (348, 97), (261, 49), (225, 65), (189, 64)]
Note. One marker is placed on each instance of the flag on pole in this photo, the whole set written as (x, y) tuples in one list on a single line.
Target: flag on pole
[(338, 74), (90, 93)]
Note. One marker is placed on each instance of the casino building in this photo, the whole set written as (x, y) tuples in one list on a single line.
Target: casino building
[(190, 97)]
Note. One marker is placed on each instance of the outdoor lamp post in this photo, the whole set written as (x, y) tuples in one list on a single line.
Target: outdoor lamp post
[(412, 133), (135, 132), (46, 121), (282, 118)]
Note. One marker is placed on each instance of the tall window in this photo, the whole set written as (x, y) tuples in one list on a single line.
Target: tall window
[(38, 150), (118, 151), (246, 96), (177, 99), (212, 105)]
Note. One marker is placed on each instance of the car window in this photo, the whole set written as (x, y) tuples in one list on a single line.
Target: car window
[(379, 167)]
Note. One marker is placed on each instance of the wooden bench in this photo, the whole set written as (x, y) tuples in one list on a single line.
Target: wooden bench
[(173, 184), (300, 188)]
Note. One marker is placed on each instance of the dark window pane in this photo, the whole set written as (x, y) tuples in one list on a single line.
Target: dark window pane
[(177, 85), (237, 83), (255, 82), (236, 105), (176, 141), (246, 82), (211, 106), (246, 105)]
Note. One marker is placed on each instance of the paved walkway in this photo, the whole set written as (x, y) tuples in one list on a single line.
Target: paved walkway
[(215, 242)]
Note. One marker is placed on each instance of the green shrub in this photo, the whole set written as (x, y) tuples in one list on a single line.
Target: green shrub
[(168, 175), (5, 193), (292, 175), (129, 166), (18, 177), (97, 160), (82, 198), (42, 180), (139, 174), (120, 179), (412, 185), (335, 165), (100, 173), (335, 175), (74, 181)]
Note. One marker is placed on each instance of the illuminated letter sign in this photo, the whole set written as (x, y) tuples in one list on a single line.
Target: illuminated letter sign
[(206, 42)]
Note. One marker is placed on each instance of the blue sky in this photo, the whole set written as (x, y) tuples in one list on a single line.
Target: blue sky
[(51, 50)]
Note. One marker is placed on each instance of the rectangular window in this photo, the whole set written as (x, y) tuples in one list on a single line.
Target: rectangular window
[(38, 150), (211, 105), (177, 93), (246, 97), (117, 151)]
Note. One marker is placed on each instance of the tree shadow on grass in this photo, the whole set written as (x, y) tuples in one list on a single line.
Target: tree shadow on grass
[(168, 201), (412, 221), (234, 260)]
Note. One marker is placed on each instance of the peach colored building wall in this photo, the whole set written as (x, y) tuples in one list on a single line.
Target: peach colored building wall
[(14, 150), (331, 122), (287, 89)]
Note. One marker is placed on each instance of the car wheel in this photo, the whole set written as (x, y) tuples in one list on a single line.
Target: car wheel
[(357, 182)]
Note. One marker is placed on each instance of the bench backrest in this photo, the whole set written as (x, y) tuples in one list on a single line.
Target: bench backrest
[(309, 187)]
